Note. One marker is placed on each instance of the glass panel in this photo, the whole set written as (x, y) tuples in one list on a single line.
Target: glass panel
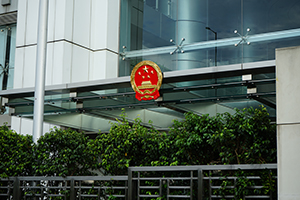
[(164, 61), (272, 24), (189, 60), (223, 18), (7, 55), (247, 103), (269, 16), (2, 42), (10, 81), (264, 76), (136, 25), (154, 23), (158, 28), (202, 96), (3, 33)]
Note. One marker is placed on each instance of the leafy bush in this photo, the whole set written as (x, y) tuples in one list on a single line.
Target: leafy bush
[(246, 137), (190, 138), (16, 153), (63, 153), (130, 145)]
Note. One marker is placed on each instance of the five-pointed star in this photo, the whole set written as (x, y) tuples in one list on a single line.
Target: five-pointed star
[(146, 69)]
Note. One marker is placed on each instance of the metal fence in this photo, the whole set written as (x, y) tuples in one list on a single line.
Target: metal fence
[(169, 182), (202, 182), (75, 187)]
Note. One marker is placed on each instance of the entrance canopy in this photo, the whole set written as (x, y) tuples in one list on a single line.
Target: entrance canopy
[(90, 106)]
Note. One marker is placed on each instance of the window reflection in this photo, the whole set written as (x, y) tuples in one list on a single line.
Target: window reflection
[(7, 50), (154, 22)]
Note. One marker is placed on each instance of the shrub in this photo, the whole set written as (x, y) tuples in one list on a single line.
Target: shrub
[(246, 137), (130, 145), (16, 153), (63, 153)]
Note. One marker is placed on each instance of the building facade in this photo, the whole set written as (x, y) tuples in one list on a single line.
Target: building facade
[(215, 56), (82, 46)]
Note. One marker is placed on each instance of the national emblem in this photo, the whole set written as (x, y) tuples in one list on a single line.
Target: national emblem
[(146, 79)]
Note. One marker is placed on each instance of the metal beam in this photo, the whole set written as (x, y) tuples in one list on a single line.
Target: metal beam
[(213, 43), (169, 77)]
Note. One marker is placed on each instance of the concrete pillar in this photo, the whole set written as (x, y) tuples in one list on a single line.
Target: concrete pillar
[(288, 122)]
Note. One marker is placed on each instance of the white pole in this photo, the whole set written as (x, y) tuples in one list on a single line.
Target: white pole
[(41, 53)]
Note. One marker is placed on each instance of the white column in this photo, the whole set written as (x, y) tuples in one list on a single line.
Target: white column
[(288, 122)]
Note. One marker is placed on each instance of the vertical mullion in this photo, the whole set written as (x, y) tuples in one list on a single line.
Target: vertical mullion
[(200, 184), (234, 185), (191, 186), (138, 190), (209, 184), (79, 190), (168, 190), (160, 187), (7, 56), (130, 187)]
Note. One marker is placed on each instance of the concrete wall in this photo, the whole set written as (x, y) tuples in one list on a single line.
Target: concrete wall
[(288, 122), (9, 8), (25, 126), (82, 41), (82, 44)]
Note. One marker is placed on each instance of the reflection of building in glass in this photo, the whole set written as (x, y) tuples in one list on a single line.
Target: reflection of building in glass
[(171, 19), (93, 46)]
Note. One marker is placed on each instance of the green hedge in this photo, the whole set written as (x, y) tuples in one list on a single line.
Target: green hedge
[(16, 154), (246, 137), (63, 153)]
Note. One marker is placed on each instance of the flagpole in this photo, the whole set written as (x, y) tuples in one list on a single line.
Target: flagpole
[(41, 53)]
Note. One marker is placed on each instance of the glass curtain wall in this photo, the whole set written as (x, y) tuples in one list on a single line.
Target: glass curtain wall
[(7, 56), (187, 34)]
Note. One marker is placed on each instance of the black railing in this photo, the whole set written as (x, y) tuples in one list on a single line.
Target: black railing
[(74, 187), (168, 182)]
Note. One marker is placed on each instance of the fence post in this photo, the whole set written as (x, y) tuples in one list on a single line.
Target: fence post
[(16, 190), (72, 190), (200, 184), (191, 186), (129, 184)]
